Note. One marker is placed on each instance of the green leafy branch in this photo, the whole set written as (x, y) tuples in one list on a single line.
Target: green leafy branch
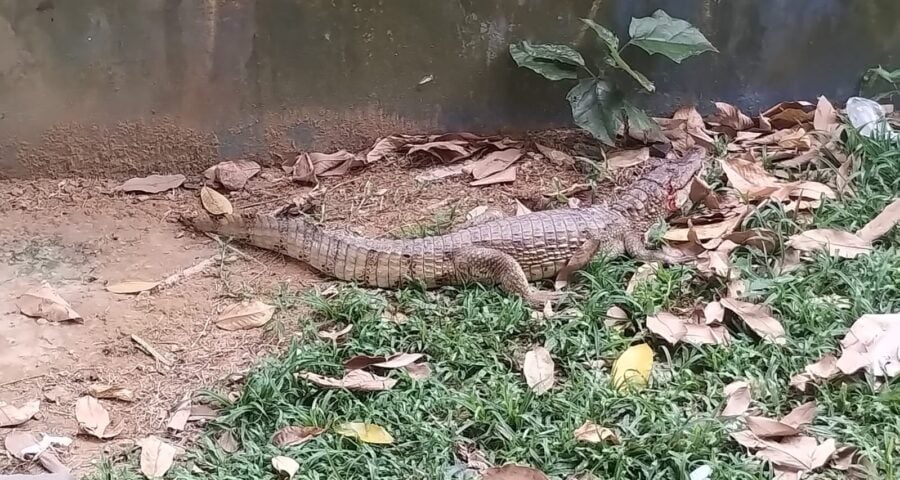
[(880, 84), (597, 106)]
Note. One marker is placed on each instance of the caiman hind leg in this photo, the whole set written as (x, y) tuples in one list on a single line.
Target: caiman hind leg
[(489, 265), (637, 249)]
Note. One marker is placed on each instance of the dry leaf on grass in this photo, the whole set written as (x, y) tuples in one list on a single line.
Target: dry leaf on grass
[(111, 392), (285, 465), (873, 343), (11, 416), (730, 116), (644, 273), (354, 380), (157, 456), (418, 371), (797, 454), (24, 445), (737, 399), (328, 333), (835, 242), (521, 209), (674, 329), (506, 176), (539, 370), (790, 114), (881, 224), (627, 158), (131, 286), (227, 442), (94, 419), (701, 193), (670, 327), (615, 317), (397, 360), (245, 315), (764, 427), (590, 432), (214, 202), (494, 162), (713, 313), (233, 174), (513, 472), (824, 369), (633, 367), (694, 125), (759, 318), (43, 302), (386, 147), (295, 435), (152, 183), (365, 432), (801, 416), (709, 231)]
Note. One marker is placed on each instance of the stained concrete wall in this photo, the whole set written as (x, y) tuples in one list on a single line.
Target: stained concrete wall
[(126, 86)]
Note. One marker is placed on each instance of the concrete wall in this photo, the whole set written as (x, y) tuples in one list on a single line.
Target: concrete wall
[(126, 86)]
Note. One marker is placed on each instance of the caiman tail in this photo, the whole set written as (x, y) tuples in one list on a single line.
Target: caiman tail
[(371, 262)]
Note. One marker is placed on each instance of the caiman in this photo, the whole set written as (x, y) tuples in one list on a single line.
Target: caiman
[(509, 252)]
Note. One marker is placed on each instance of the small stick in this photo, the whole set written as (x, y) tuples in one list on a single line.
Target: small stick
[(149, 349), (177, 277), (24, 379)]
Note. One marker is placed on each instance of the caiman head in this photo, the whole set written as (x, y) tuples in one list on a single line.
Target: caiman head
[(671, 176)]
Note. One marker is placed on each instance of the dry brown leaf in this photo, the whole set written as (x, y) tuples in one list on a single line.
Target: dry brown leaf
[(111, 392), (418, 371), (798, 454), (748, 439), (94, 419), (131, 286), (285, 465), (556, 157), (737, 399), (18, 443), (749, 177), (590, 432), (694, 125), (306, 167), (708, 231), (438, 173), (824, 369), (581, 258), (362, 361), (43, 302), (445, 151), (644, 273), (700, 193), (790, 114), (245, 315), (835, 242), (153, 183), (670, 327), (512, 472), (354, 380), (202, 413), (214, 202), (334, 334), (825, 117), (227, 442), (385, 147), (713, 313), (615, 317), (11, 416), (506, 176), (295, 435), (706, 334), (881, 224), (627, 158), (764, 428), (801, 416), (233, 174), (399, 360), (759, 318), (157, 456), (730, 116), (521, 209), (759, 238), (180, 415), (872, 343), (539, 370), (494, 162)]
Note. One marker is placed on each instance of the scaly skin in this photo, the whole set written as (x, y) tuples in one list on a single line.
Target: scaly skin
[(507, 251)]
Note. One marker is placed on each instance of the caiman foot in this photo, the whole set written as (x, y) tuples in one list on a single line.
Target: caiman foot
[(489, 265)]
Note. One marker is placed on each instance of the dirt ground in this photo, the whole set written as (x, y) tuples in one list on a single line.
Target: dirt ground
[(79, 234)]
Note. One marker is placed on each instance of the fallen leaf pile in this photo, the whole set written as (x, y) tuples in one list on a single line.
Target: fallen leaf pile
[(357, 379)]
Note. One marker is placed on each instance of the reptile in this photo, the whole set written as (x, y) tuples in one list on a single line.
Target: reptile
[(509, 251)]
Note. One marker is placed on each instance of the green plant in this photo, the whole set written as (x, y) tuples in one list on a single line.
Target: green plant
[(880, 84), (597, 105)]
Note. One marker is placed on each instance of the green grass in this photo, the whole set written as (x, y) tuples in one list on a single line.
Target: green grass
[(475, 338)]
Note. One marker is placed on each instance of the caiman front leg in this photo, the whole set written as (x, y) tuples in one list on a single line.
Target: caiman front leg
[(637, 249), (489, 265)]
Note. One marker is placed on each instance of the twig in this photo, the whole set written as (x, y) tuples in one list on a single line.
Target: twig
[(149, 349), (177, 277), (24, 379)]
